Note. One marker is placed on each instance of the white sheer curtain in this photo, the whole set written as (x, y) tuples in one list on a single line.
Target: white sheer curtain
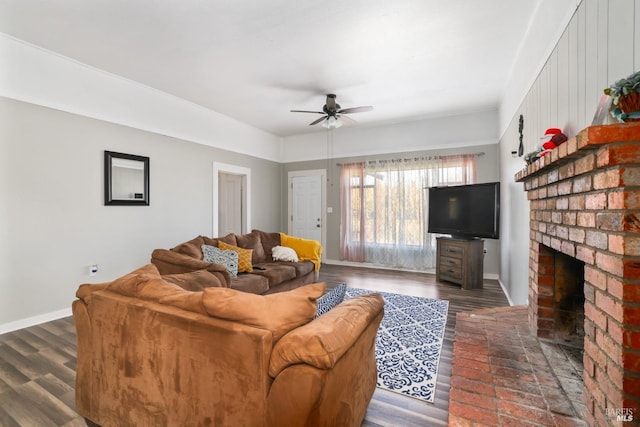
[(384, 208), (351, 212)]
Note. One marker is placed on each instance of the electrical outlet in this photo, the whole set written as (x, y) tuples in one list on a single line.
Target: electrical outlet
[(93, 269)]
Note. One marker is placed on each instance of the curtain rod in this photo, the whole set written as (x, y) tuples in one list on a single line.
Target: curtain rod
[(449, 156)]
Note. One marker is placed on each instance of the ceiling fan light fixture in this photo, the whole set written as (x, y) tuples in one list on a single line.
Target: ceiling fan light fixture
[(332, 123)]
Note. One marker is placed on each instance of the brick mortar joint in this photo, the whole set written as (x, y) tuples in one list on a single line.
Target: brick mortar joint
[(597, 170), (609, 362), (584, 245), (608, 190)]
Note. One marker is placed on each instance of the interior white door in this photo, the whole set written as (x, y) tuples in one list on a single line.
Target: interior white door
[(306, 207), (230, 209)]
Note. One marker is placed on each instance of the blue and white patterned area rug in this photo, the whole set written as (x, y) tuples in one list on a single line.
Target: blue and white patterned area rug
[(409, 342)]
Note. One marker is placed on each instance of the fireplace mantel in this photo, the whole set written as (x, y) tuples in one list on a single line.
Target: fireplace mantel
[(585, 203), (588, 140)]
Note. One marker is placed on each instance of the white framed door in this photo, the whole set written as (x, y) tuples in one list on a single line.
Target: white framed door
[(307, 204), (231, 199), (231, 213)]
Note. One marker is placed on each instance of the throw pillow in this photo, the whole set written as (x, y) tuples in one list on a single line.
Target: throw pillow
[(282, 253), (244, 256), (278, 313), (218, 256), (329, 300)]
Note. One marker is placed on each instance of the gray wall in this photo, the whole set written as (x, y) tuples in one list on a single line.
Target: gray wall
[(53, 222), (600, 45), (488, 171)]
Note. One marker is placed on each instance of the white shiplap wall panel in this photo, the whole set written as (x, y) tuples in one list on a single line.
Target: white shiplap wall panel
[(574, 78), (562, 54), (553, 93), (602, 64), (580, 65), (546, 97), (636, 38), (593, 89), (620, 39), (600, 45)]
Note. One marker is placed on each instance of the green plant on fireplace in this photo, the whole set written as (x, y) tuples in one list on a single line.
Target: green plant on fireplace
[(624, 87), (625, 98)]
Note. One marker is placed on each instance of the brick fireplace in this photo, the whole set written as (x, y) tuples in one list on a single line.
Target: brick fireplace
[(584, 267)]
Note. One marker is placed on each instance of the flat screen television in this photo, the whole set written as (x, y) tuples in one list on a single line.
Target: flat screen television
[(465, 211)]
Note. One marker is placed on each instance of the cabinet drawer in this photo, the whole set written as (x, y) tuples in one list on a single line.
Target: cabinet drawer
[(451, 274), (452, 251), (447, 262)]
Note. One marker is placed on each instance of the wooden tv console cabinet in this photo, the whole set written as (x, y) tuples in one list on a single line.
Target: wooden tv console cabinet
[(460, 261)]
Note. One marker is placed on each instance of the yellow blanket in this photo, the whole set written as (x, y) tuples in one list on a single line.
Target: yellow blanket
[(307, 249)]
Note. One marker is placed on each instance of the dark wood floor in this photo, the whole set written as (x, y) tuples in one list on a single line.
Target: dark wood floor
[(37, 364), (392, 409)]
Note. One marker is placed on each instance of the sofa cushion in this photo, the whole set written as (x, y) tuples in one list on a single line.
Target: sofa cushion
[(165, 293), (323, 341), (227, 258), (245, 263), (194, 280), (268, 240), (211, 241), (252, 283), (278, 313), (191, 248), (283, 253), (146, 283), (331, 299), (229, 239), (252, 241), (302, 268), (276, 273), (131, 284)]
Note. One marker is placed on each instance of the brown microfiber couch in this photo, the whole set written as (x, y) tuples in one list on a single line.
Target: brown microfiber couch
[(277, 276), (151, 353)]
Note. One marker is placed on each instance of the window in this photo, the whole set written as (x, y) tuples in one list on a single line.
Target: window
[(384, 208)]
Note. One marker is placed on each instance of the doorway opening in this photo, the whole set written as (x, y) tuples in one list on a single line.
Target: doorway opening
[(231, 199)]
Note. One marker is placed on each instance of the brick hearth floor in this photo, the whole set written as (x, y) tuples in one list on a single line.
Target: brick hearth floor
[(500, 375)]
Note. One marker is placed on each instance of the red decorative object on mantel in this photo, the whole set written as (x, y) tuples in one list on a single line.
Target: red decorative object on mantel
[(552, 138)]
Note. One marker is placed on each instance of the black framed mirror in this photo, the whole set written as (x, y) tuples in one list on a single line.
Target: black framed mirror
[(126, 179)]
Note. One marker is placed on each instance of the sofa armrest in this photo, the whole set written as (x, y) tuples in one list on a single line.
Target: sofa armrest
[(322, 342), (171, 262)]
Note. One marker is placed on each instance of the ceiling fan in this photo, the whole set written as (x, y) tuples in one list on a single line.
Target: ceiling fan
[(333, 114)]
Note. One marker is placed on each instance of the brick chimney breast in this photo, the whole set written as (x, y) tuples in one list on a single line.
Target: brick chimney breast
[(585, 250)]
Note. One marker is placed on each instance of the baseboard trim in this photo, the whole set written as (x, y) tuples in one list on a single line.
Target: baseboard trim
[(371, 265), (35, 320), (504, 290), (384, 267)]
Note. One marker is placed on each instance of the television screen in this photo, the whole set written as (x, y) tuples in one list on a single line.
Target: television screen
[(465, 211)]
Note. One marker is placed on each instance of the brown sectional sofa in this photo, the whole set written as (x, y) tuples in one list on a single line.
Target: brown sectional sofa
[(151, 353), (277, 276)]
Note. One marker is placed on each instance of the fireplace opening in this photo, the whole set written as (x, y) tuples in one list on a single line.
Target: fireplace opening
[(568, 300), (562, 318)]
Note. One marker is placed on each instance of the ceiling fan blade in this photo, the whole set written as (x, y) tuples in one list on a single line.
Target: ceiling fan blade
[(306, 111), (348, 120), (331, 102), (315, 122), (355, 110)]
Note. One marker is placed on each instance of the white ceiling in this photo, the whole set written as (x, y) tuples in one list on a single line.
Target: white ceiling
[(255, 60)]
